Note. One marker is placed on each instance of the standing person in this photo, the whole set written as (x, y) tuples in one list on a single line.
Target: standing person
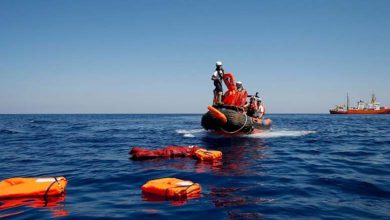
[(217, 77)]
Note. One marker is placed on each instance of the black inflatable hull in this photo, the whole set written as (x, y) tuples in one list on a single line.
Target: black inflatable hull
[(238, 123)]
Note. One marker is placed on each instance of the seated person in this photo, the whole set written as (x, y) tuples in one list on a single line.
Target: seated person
[(261, 110), (251, 107), (241, 95)]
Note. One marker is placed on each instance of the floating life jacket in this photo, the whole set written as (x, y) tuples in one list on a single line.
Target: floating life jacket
[(32, 187), (172, 188), (175, 151), (203, 154), (169, 151)]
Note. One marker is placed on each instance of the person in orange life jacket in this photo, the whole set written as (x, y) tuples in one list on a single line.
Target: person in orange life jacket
[(260, 109), (217, 77), (241, 92)]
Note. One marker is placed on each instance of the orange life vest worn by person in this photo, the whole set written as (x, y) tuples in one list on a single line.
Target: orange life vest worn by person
[(240, 97)]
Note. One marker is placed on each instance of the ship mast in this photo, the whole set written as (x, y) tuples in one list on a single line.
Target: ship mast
[(373, 98), (347, 101)]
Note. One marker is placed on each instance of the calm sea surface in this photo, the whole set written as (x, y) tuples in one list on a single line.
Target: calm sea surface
[(307, 167)]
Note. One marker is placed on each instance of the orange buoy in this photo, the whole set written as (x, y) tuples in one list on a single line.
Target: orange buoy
[(203, 154), (219, 115), (267, 122), (30, 187), (172, 188)]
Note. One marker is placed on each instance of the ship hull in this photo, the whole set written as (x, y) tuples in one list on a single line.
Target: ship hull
[(358, 112)]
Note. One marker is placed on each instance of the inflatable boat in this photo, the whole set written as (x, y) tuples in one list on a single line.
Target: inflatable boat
[(231, 118), (227, 121)]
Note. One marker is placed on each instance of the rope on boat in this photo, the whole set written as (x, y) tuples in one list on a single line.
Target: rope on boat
[(233, 132)]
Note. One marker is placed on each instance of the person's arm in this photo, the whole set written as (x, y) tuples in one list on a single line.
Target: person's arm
[(214, 76), (261, 111)]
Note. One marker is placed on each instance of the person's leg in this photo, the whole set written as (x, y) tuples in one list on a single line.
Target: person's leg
[(220, 98), (218, 88), (215, 99)]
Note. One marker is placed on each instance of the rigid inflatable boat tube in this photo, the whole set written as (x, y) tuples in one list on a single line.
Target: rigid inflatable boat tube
[(219, 115), (32, 187)]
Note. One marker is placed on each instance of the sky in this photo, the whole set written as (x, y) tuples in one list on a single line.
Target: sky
[(152, 56)]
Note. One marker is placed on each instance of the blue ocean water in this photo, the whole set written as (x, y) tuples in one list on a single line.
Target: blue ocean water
[(307, 167)]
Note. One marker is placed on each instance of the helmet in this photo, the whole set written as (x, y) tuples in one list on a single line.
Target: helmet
[(238, 84), (219, 63)]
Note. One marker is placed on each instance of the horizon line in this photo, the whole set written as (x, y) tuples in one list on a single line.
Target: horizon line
[(149, 113)]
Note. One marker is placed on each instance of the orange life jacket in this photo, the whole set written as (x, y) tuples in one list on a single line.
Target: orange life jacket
[(230, 95), (203, 154), (240, 98), (172, 188), (31, 187)]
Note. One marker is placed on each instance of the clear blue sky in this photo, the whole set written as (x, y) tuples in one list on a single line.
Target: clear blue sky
[(158, 56)]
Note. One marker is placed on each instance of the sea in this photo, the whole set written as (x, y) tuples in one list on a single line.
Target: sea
[(309, 166)]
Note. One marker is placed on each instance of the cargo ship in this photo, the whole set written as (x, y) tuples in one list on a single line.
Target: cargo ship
[(362, 108)]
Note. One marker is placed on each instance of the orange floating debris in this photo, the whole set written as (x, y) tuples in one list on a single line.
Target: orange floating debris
[(172, 188), (203, 154), (32, 187)]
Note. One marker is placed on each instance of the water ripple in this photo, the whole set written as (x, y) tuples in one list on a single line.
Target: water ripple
[(306, 167)]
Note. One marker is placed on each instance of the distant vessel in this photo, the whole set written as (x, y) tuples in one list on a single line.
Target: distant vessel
[(362, 108)]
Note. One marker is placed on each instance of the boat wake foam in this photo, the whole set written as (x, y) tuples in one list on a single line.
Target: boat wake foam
[(267, 134), (189, 133), (280, 133)]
